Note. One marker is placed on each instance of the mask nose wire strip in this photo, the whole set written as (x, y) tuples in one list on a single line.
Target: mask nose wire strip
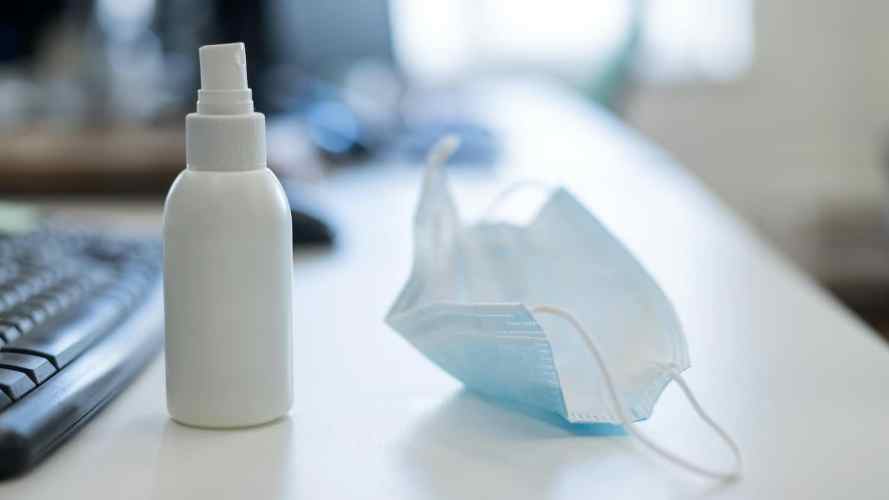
[(630, 426)]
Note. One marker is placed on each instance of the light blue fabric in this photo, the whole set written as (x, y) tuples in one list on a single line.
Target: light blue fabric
[(467, 307)]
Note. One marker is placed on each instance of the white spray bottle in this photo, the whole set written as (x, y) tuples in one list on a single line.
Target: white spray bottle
[(227, 261)]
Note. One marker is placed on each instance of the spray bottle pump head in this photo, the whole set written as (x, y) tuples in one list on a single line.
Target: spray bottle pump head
[(225, 135), (224, 89)]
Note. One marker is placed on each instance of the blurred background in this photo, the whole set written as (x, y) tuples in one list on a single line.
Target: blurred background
[(780, 107)]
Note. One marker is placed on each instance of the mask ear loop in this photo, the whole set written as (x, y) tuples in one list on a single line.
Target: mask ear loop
[(630, 426), (498, 200), (511, 190)]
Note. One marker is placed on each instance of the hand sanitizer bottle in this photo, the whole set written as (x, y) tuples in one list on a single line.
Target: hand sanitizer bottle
[(227, 261)]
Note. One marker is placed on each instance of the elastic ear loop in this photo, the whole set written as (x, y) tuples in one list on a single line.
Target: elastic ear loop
[(511, 190), (630, 426)]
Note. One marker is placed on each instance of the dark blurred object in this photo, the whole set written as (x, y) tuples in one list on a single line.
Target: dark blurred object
[(22, 27), (117, 161), (309, 228), (326, 39), (93, 92), (86, 100), (81, 316), (317, 45), (851, 252), (851, 257)]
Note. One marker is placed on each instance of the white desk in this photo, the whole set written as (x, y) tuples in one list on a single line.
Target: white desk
[(800, 383)]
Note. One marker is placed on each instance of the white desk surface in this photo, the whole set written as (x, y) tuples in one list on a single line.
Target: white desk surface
[(801, 384)]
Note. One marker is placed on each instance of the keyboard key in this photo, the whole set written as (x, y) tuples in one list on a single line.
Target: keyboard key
[(48, 304), (129, 287), (23, 323), (10, 297), (9, 333), (27, 288), (15, 384), (59, 303), (7, 272), (36, 368), (67, 335), (66, 296), (36, 314)]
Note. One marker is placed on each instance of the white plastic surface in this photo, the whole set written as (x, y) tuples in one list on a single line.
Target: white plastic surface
[(225, 134), (224, 88), (228, 268), (223, 67), (225, 143), (228, 272)]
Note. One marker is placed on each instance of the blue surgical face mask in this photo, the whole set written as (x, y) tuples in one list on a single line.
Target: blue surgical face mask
[(555, 314)]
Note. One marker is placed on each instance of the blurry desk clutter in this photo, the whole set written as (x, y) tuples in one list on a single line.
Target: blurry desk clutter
[(776, 361), (92, 93)]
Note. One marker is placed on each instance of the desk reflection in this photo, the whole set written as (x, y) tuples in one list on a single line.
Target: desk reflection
[(222, 464), (474, 447)]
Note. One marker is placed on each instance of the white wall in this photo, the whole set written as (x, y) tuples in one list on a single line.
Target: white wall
[(804, 133)]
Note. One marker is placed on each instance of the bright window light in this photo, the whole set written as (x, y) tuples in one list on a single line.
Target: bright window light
[(678, 39), (696, 39)]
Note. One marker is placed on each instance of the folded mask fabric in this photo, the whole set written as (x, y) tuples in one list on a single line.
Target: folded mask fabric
[(555, 314)]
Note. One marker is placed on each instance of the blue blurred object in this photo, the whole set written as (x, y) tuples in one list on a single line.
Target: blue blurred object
[(335, 129), (478, 145), (331, 125)]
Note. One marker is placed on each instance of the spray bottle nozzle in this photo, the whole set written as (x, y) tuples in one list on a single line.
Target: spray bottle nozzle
[(224, 87), (223, 67)]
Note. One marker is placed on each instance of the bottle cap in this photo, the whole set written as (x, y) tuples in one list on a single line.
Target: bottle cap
[(225, 134), (224, 89), (223, 67)]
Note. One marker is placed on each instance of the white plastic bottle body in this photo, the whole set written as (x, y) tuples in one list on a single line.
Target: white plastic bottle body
[(228, 290)]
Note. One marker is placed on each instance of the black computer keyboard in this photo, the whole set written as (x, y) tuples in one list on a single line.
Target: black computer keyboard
[(80, 315)]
